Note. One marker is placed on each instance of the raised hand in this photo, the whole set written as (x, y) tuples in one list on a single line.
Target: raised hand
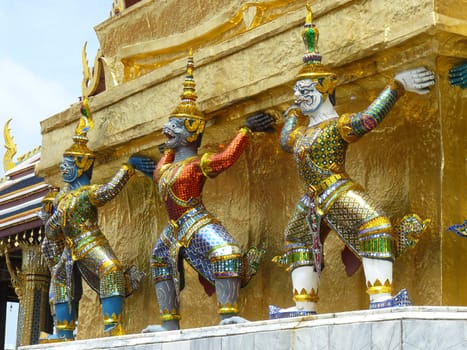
[(417, 80), (458, 75), (144, 164), (260, 122)]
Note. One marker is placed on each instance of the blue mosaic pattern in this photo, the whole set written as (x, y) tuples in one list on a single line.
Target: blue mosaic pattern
[(205, 244)]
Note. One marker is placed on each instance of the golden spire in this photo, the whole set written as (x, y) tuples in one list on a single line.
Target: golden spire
[(10, 146), (188, 109), (312, 67), (309, 15), (84, 157)]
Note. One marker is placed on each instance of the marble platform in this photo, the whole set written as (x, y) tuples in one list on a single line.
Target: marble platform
[(409, 328)]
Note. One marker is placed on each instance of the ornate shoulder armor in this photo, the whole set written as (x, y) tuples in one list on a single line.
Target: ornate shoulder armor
[(344, 125)]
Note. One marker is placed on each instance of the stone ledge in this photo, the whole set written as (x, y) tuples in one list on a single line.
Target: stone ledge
[(417, 327)]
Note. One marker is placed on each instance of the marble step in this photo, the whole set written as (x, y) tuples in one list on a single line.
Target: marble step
[(408, 328)]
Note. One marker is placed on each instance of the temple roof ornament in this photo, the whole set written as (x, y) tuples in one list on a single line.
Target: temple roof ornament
[(21, 193), (10, 146), (117, 7), (91, 77)]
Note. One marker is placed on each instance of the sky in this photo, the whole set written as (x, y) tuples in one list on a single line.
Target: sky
[(40, 61), (40, 67)]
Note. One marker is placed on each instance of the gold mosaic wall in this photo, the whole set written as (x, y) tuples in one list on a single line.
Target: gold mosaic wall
[(410, 163)]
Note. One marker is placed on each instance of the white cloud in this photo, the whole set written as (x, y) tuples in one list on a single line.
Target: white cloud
[(28, 99)]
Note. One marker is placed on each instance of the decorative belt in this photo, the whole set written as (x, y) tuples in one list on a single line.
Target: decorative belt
[(79, 246), (184, 228), (326, 183)]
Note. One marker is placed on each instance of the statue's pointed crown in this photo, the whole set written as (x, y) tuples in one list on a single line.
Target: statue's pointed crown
[(312, 67), (80, 138), (84, 157), (188, 108)]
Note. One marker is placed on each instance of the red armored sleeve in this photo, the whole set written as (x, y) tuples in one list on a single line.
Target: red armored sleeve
[(213, 164)]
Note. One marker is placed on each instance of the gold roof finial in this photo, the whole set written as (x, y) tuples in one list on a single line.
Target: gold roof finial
[(10, 146)]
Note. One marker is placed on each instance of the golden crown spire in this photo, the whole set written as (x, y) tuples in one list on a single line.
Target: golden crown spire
[(187, 108), (84, 157), (309, 14), (312, 67)]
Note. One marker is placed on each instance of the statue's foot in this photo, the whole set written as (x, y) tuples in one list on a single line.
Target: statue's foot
[(152, 328), (276, 312), (114, 330), (233, 320), (53, 338), (401, 299)]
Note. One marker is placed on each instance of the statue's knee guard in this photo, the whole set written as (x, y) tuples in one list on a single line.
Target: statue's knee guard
[(377, 239), (160, 270), (226, 266), (112, 284)]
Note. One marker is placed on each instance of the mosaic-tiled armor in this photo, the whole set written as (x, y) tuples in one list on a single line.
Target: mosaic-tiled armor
[(52, 249), (193, 233), (332, 200), (86, 253), (206, 245)]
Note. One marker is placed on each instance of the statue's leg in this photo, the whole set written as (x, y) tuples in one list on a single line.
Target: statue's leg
[(377, 249), (215, 254), (305, 282), (112, 291), (102, 264), (65, 320), (65, 306), (169, 307), (112, 313), (299, 260), (369, 234), (378, 277), (227, 292), (162, 276)]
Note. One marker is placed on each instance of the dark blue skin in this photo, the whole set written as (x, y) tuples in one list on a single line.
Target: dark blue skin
[(260, 122), (69, 171), (458, 75), (144, 164)]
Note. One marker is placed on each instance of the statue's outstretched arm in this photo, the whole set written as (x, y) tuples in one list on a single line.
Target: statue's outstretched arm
[(290, 131), (353, 126), (101, 194), (213, 164)]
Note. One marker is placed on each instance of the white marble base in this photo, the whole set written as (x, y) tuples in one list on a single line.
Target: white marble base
[(409, 328)]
